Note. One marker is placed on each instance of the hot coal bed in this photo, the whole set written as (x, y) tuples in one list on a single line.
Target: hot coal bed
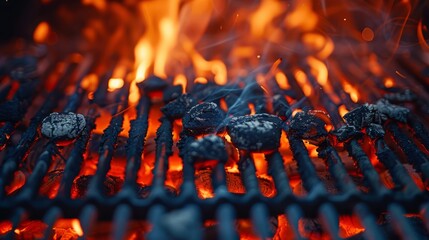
[(278, 153)]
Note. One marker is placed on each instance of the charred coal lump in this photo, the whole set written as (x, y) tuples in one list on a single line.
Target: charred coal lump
[(255, 133)]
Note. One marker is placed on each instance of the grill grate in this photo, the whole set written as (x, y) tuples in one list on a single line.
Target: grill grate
[(158, 207)]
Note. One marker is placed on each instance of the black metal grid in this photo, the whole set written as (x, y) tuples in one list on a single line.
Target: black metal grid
[(224, 207)]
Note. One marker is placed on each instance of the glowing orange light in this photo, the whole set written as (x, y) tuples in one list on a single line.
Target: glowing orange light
[(261, 19), (282, 80), (180, 79), (302, 80), (302, 16), (89, 82), (323, 46), (115, 83), (352, 91), (367, 34), (41, 32), (99, 4), (388, 82), (342, 110), (134, 95), (144, 58), (76, 227), (201, 80)]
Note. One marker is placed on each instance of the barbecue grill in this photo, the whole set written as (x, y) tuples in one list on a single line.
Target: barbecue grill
[(215, 120)]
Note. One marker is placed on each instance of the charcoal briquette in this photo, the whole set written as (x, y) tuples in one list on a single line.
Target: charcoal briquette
[(363, 116), (152, 84), (203, 118), (177, 108), (255, 133), (63, 126), (309, 127), (208, 148)]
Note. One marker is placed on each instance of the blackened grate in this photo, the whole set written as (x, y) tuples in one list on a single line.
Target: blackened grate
[(396, 141)]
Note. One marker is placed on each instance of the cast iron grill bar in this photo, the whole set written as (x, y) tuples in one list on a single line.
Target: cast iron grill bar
[(188, 189), (401, 224), (136, 141), (108, 144), (413, 153), (155, 215), (258, 212), (120, 221), (294, 214), (225, 212), (398, 172), (225, 215), (49, 219), (372, 231), (164, 144), (76, 158), (277, 170), (366, 168), (419, 131), (88, 216), (23, 97), (18, 216), (29, 136)]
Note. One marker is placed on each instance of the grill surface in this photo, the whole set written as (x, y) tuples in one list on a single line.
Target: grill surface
[(145, 182)]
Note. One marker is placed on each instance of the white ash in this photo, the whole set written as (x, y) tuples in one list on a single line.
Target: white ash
[(63, 126), (259, 132)]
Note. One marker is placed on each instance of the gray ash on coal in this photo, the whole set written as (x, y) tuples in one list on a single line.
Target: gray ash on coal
[(205, 152), (177, 108), (308, 126), (255, 133), (63, 126), (203, 118)]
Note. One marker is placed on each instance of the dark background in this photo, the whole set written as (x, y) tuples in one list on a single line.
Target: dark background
[(18, 18)]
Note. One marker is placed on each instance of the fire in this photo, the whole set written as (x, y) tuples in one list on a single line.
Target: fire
[(76, 227), (41, 32), (115, 83), (301, 77)]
